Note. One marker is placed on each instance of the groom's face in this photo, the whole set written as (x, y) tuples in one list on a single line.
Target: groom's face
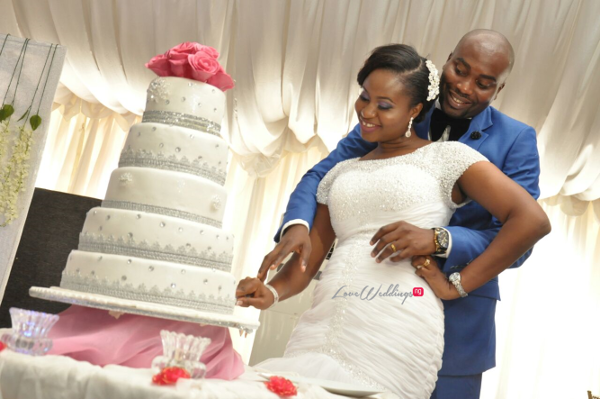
[(472, 77)]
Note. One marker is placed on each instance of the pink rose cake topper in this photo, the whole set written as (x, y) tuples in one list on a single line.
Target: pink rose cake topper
[(192, 61)]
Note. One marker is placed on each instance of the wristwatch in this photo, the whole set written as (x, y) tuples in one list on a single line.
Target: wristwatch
[(455, 280), (441, 239)]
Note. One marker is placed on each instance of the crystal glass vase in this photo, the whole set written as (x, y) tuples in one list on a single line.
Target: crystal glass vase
[(29, 332), (180, 350)]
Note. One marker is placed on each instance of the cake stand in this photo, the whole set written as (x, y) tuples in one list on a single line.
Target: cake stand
[(120, 305)]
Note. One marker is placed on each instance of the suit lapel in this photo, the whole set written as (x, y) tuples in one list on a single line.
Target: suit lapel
[(480, 124)]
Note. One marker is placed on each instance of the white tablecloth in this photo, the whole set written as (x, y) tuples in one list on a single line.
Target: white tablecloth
[(28, 377)]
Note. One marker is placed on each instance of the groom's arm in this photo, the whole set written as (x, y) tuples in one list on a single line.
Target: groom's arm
[(302, 205), (523, 166)]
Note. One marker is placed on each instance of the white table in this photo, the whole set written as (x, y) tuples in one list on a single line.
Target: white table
[(28, 377)]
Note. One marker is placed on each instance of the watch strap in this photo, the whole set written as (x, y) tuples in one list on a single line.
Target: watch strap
[(455, 280)]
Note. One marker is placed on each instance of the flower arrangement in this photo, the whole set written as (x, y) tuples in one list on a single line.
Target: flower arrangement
[(170, 375), (192, 61), (281, 386), (14, 174), (14, 171)]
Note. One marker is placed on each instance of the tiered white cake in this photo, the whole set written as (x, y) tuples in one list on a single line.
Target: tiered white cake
[(157, 236)]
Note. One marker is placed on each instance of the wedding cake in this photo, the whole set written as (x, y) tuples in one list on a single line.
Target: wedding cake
[(158, 235)]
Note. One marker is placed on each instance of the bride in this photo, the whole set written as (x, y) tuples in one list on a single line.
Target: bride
[(376, 323)]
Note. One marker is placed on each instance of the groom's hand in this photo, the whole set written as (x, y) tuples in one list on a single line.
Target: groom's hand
[(404, 239), (295, 239)]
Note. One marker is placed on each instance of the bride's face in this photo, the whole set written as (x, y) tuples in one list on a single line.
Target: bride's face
[(383, 108)]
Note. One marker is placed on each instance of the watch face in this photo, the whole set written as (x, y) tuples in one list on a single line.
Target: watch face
[(442, 239), (454, 277)]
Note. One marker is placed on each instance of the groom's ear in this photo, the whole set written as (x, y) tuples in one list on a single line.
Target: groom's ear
[(499, 90)]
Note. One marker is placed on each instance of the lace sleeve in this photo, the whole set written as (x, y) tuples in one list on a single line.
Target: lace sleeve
[(455, 158), (327, 182)]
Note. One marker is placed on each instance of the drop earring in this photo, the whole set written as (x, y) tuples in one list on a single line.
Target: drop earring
[(408, 133)]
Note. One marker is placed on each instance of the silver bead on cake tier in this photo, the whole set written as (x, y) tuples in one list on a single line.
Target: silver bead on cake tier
[(216, 203)]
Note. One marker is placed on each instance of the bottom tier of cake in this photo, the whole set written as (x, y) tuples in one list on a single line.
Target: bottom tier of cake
[(150, 280)]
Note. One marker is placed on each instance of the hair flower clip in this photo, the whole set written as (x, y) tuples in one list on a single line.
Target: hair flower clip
[(434, 81)]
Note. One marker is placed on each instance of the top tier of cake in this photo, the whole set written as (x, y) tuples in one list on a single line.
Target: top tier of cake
[(185, 103)]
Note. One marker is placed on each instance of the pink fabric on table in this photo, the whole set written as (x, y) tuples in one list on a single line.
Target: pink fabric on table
[(94, 336)]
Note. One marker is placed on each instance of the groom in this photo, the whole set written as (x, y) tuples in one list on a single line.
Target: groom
[(472, 77)]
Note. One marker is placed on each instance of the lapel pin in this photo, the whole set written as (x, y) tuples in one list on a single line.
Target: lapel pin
[(475, 135)]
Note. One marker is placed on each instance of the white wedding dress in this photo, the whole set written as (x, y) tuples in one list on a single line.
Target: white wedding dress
[(392, 342)]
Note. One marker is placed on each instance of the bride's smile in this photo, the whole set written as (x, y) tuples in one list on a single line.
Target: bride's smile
[(384, 110)]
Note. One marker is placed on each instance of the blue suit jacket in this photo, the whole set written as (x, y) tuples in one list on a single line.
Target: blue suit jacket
[(470, 340)]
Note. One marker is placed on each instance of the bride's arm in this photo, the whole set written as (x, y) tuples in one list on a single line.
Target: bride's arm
[(291, 280), (523, 224)]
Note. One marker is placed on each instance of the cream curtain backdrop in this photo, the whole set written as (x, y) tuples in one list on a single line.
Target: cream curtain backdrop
[(295, 64)]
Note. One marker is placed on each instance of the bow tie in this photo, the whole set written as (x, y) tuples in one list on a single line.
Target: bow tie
[(439, 121)]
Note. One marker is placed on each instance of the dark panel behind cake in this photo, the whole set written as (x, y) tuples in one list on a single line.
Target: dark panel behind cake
[(51, 231)]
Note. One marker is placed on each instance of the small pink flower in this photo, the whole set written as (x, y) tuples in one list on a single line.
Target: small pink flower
[(281, 386), (159, 65), (203, 65), (221, 80), (184, 49), (170, 375), (210, 51), (181, 68), (178, 58)]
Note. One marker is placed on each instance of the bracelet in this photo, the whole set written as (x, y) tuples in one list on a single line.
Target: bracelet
[(275, 295)]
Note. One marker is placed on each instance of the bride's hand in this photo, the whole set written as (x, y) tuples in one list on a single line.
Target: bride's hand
[(252, 292), (427, 267)]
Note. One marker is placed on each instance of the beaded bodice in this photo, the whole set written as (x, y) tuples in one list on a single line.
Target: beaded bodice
[(364, 195)]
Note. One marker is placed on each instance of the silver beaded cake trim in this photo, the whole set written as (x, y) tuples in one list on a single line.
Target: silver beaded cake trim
[(134, 206), (158, 90), (143, 158), (188, 256), (183, 120), (166, 296)]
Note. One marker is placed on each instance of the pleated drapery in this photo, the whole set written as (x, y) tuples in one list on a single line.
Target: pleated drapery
[(295, 65)]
